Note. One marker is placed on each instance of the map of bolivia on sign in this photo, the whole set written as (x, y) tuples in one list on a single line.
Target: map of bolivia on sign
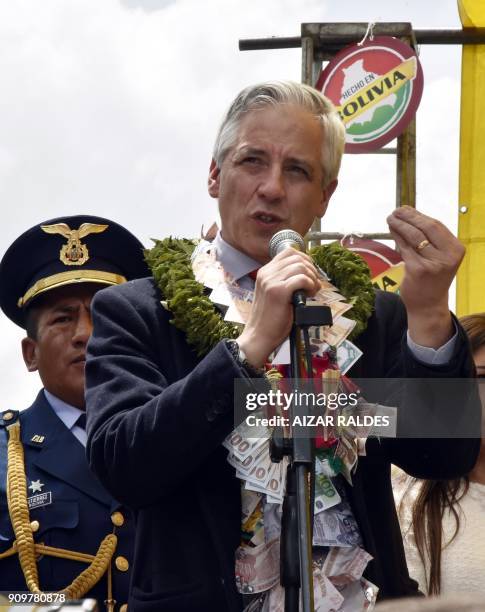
[(376, 88)]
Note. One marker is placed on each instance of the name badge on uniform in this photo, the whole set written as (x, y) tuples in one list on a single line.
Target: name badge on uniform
[(43, 499)]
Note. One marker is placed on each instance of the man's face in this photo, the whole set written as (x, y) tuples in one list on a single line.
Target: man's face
[(271, 179), (59, 350)]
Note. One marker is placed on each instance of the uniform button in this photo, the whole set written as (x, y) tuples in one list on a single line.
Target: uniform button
[(117, 519), (122, 564), (124, 608), (34, 525), (8, 416)]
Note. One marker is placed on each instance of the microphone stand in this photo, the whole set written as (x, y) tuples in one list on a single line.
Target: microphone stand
[(297, 519)]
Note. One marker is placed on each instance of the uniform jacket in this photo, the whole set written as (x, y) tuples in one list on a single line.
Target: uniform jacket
[(157, 415), (72, 508)]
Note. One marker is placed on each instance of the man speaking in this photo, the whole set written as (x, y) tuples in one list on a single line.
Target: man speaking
[(162, 363)]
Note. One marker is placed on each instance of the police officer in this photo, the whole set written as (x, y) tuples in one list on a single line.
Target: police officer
[(59, 529)]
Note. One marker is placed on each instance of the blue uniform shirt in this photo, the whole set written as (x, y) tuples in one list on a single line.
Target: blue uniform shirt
[(72, 509)]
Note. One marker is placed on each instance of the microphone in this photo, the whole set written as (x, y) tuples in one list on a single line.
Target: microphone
[(286, 239)]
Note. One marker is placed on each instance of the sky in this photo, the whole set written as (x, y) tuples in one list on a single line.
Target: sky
[(111, 108)]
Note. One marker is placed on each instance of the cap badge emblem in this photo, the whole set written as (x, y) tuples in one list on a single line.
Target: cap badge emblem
[(74, 253)]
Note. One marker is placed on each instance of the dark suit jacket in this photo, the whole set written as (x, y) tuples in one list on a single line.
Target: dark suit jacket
[(74, 511), (157, 415)]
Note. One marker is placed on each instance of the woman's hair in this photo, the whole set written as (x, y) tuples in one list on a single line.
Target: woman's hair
[(435, 497)]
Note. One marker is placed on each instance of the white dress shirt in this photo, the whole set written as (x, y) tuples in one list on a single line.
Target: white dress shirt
[(238, 265), (68, 415)]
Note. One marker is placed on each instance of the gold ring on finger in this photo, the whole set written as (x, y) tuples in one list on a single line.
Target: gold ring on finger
[(423, 244)]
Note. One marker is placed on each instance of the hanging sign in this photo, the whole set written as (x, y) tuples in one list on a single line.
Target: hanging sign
[(376, 88), (385, 264)]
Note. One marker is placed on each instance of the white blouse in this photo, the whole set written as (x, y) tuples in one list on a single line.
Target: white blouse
[(462, 561)]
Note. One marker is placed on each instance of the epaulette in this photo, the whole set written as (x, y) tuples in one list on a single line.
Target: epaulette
[(8, 417)]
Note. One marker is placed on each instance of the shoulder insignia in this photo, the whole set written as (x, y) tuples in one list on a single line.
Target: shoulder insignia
[(8, 417)]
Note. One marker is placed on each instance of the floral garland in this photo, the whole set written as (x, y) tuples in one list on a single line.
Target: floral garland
[(195, 314)]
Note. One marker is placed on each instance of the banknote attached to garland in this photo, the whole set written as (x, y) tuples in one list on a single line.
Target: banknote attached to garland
[(184, 270)]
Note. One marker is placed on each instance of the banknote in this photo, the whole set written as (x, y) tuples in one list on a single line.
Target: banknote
[(327, 296), (277, 483), (345, 565), (322, 466), (207, 270), (359, 596), (258, 568), (274, 487), (339, 308), (276, 600), (359, 420), (245, 439), (336, 527), (238, 311), (250, 486), (262, 473), (249, 501), (347, 355), (339, 331), (389, 431), (347, 453), (326, 285), (257, 604), (272, 521), (326, 495), (244, 467), (225, 293), (327, 598)]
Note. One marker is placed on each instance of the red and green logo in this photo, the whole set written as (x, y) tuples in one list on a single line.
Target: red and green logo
[(376, 88)]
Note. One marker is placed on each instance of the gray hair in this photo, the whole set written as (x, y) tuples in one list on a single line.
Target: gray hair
[(286, 92)]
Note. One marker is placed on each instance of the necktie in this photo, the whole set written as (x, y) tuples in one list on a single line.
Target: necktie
[(253, 274), (81, 421)]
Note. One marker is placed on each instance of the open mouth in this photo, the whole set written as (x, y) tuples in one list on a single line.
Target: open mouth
[(266, 218)]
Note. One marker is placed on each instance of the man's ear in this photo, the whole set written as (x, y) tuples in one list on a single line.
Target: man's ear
[(30, 355), (327, 193), (213, 180)]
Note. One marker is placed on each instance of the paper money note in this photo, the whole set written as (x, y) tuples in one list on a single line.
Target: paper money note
[(339, 331), (258, 569), (326, 495), (262, 473), (390, 431), (244, 467), (347, 355), (257, 604), (336, 527), (328, 296), (207, 270), (327, 598), (238, 312), (347, 453), (249, 501), (322, 466), (272, 521), (359, 596), (245, 439), (339, 308), (345, 565)]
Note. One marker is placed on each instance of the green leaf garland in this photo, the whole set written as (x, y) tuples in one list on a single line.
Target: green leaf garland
[(350, 273), (195, 314)]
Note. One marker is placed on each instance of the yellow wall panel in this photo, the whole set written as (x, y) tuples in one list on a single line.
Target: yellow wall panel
[(471, 224)]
